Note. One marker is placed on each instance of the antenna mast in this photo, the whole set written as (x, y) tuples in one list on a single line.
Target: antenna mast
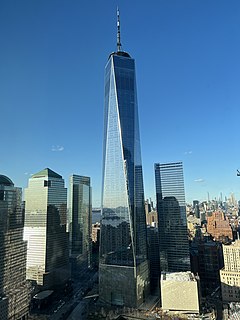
[(119, 46)]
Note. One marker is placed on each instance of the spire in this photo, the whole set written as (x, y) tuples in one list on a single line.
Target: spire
[(119, 46)]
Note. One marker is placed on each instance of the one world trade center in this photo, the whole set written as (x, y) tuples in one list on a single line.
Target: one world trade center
[(123, 264)]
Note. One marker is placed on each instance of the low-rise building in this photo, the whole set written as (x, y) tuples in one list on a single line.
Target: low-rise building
[(180, 292)]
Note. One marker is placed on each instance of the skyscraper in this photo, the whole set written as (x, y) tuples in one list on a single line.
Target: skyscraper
[(123, 265), (173, 235), (14, 300), (45, 229), (80, 225)]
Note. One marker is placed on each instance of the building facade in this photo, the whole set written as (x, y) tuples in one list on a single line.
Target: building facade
[(123, 265), (153, 256), (80, 224), (210, 261), (172, 222), (230, 274), (14, 299), (45, 229), (180, 292), (219, 227)]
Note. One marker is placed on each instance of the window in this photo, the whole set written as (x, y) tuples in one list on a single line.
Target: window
[(1, 195), (47, 183)]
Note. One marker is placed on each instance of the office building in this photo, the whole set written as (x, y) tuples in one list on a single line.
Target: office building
[(210, 261), (14, 299), (152, 219), (80, 224), (123, 266), (196, 208), (45, 229), (230, 274), (180, 292), (172, 222), (153, 256)]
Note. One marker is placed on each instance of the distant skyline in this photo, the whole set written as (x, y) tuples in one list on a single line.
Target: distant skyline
[(53, 55)]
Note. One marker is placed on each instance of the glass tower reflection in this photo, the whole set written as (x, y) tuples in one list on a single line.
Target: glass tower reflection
[(123, 273), (14, 291), (45, 229), (172, 222), (80, 224)]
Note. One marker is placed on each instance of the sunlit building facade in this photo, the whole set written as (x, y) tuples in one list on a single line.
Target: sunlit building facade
[(45, 229), (80, 225), (230, 274), (123, 265), (219, 227), (172, 222), (14, 301)]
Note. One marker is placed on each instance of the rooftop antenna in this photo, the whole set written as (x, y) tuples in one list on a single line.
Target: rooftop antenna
[(119, 46)]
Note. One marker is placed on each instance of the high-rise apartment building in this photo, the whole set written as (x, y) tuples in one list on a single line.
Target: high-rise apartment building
[(171, 208), (230, 274), (45, 229), (123, 265), (80, 224), (14, 300)]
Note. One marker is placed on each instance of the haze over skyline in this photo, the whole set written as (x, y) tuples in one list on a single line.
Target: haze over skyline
[(53, 55)]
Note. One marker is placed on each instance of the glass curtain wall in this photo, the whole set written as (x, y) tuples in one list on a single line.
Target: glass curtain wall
[(123, 226), (171, 208)]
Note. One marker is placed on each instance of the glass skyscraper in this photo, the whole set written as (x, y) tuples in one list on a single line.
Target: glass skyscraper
[(14, 293), (45, 229), (123, 265), (172, 222), (80, 224)]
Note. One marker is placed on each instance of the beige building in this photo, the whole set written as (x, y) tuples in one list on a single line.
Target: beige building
[(230, 274), (152, 219), (180, 292), (95, 231)]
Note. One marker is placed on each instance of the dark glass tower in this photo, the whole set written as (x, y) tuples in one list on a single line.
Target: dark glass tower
[(123, 274), (14, 292), (80, 224), (171, 208)]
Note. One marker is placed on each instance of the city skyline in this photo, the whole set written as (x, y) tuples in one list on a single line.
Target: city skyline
[(53, 58)]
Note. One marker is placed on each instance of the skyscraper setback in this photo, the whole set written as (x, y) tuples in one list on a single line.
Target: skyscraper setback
[(123, 269), (171, 208)]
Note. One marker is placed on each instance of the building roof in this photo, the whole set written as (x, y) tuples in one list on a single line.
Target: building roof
[(236, 243), (43, 294), (178, 276), (119, 53), (46, 173), (5, 181)]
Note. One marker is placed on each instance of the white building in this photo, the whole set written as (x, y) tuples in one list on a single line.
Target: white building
[(180, 292)]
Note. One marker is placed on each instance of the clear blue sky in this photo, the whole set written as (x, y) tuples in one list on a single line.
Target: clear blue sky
[(52, 58)]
